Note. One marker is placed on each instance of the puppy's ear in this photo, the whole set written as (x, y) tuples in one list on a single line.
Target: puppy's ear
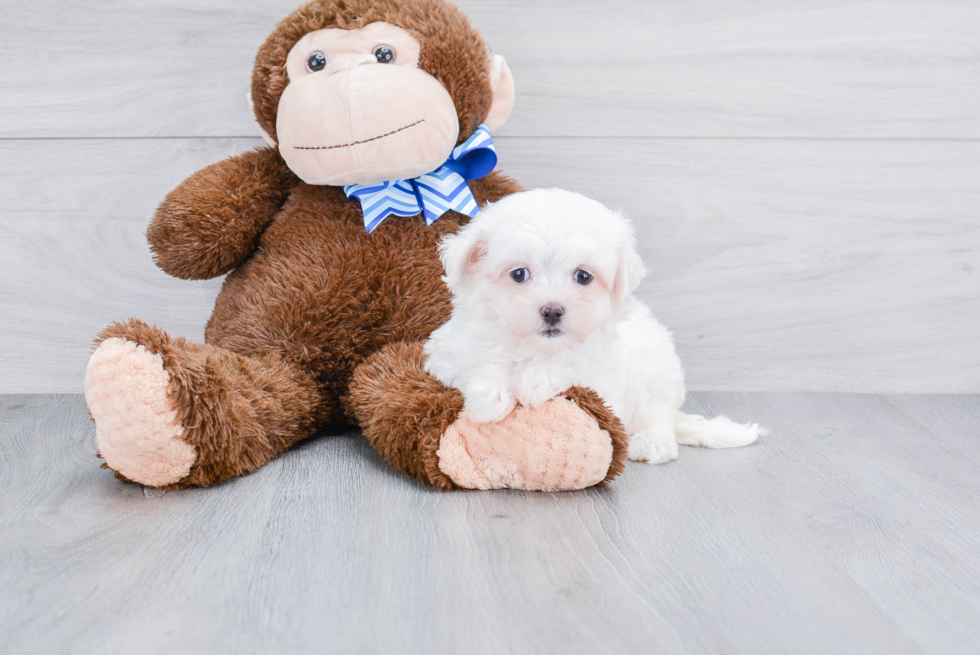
[(462, 253), (630, 271)]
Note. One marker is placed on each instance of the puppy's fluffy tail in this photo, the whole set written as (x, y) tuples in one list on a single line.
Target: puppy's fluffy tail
[(720, 432)]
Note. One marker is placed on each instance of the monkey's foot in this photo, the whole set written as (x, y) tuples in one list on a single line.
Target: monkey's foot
[(175, 414), (136, 422), (556, 447), (418, 426)]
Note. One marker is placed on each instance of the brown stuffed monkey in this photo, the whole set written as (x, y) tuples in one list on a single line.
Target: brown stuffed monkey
[(325, 307)]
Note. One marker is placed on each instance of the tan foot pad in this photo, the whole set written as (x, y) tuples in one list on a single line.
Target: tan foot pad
[(136, 427), (556, 447)]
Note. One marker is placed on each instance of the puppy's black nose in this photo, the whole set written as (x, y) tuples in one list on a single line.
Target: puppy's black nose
[(552, 314)]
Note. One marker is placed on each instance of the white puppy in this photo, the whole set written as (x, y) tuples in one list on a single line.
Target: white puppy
[(542, 284)]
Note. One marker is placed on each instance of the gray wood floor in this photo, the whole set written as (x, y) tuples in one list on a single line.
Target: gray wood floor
[(854, 528)]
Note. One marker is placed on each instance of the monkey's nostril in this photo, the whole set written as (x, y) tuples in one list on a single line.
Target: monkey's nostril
[(552, 314)]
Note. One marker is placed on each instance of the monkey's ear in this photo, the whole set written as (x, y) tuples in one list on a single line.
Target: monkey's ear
[(265, 135), (502, 83), (462, 253)]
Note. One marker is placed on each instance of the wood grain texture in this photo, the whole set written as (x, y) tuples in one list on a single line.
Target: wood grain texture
[(780, 265), (811, 68), (854, 528)]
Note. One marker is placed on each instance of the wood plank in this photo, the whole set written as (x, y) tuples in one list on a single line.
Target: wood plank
[(889, 493), (807, 265), (816, 68), (828, 536), (80, 259), (826, 266)]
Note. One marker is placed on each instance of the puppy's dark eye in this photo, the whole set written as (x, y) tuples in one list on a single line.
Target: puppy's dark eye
[(583, 277), (316, 62), (520, 275), (385, 54)]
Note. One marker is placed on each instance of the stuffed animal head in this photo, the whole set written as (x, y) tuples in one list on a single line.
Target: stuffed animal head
[(359, 91)]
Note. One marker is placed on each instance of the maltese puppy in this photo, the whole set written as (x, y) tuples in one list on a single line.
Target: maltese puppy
[(542, 285)]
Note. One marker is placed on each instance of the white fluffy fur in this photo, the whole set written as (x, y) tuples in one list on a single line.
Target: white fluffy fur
[(498, 351)]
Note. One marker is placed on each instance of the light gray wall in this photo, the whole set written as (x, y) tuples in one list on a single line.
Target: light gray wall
[(805, 176)]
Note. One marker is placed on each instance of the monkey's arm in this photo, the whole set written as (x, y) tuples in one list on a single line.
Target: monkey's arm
[(208, 225)]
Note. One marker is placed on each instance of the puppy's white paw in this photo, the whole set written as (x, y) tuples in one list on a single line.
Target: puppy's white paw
[(538, 385), (539, 396), (489, 406), (653, 446)]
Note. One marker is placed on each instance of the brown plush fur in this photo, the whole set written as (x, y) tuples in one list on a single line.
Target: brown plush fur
[(392, 389), (209, 224), (324, 294), (318, 321)]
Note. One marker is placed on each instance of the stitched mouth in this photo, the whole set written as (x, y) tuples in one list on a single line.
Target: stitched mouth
[(357, 143)]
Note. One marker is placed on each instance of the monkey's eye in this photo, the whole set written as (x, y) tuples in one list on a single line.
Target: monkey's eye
[(385, 54), (520, 275), (583, 277), (316, 62)]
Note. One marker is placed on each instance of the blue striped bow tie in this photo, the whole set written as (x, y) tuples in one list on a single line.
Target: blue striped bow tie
[(432, 194)]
